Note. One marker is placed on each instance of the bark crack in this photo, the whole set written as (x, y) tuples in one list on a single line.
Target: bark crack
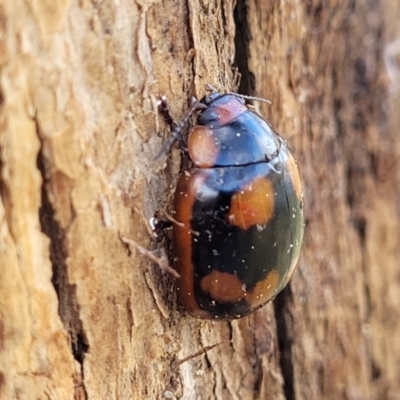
[(4, 191), (284, 323), (242, 49), (68, 308)]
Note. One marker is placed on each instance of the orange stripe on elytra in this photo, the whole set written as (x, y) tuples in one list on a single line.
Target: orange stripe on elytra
[(294, 176), (185, 196)]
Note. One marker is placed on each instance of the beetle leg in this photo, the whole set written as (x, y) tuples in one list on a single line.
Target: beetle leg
[(182, 143), (164, 111), (176, 129), (161, 262), (158, 225)]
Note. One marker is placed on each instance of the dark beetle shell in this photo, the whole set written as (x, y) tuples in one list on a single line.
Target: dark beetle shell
[(239, 211)]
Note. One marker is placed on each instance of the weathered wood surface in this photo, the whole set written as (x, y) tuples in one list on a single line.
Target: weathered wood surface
[(84, 316)]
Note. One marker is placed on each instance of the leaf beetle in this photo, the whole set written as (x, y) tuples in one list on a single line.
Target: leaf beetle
[(238, 212)]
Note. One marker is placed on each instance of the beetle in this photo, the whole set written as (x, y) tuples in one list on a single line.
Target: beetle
[(238, 211)]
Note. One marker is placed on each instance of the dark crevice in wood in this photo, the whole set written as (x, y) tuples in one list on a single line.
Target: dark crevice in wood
[(3, 186), (68, 308), (2, 385), (214, 377), (242, 52), (224, 20), (80, 348), (256, 365), (230, 328), (259, 378), (191, 46), (284, 323), (376, 371), (360, 225), (4, 195), (207, 361)]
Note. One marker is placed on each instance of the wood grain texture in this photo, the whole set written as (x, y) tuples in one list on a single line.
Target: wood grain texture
[(83, 316)]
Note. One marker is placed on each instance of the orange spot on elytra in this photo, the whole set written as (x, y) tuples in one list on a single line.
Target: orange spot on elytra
[(223, 286), (253, 204), (265, 289), (203, 147)]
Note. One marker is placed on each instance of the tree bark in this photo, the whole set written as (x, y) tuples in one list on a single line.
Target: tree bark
[(83, 315)]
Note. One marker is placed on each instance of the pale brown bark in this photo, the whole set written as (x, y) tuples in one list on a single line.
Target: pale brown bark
[(81, 315)]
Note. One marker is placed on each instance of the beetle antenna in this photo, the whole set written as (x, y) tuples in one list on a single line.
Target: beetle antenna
[(210, 88), (243, 96), (176, 129)]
